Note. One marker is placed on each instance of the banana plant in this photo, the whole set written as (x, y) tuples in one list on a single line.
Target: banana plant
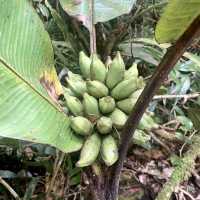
[(29, 86)]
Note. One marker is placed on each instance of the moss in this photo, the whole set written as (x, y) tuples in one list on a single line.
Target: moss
[(182, 170)]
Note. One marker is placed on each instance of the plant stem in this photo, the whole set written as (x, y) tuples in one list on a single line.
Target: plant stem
[(169, 60), (9, 188), (175, 96), (92, 28), (58, 163), (31, 188)]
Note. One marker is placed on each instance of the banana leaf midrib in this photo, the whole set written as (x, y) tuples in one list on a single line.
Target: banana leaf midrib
[(29, 84)]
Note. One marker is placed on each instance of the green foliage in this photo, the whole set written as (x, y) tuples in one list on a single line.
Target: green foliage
[(103, 10), (29, 87), (178, 15), (182, 170)]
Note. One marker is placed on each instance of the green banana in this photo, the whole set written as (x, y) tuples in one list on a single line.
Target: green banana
[(116, 71), (109, 150), (142, 139), (90, 105), (97, 89), (151, 121), (132, 72), (124, 89), (136, 94), (147, 123), (89, 151), (106, 104), (77, 86), (72, 76), (140, 82), (97, 69), (108, 62), (84, 63), (126, 105), (74, 105), (81, 125), (68, 91), (104, 125), (118, 118)]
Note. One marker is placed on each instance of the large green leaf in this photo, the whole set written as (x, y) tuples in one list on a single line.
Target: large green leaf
[(29, 87), (177, 17), (104, 10)]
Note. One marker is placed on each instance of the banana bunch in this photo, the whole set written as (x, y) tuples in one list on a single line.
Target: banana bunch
[(99, 102)]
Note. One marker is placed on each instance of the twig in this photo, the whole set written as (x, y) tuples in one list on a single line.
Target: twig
[(185, 143), (187, 194), (31, 188), (160, 143), (139, 14), (55, 173), (166, 135), (9, 188), (175, 96), (172, 56)]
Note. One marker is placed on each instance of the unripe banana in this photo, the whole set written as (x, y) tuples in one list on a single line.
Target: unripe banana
[(124, 89), (140, 82), (126, 105), (118, 118), (147, 123), (84, 63), (104, 125), (142, 139), (132, 72), (74, 105), (68, 91), (108, 62), (136, 94), (90, 105), (65, 110), (72, 76), (97, 89), (109, 150), (116, 71), (89, 151), (97, 69), (77, 86), (81, 125), (106, 104), (151, 121)]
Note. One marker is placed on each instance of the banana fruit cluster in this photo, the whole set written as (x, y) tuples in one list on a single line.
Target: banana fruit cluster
[(99, 102)]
